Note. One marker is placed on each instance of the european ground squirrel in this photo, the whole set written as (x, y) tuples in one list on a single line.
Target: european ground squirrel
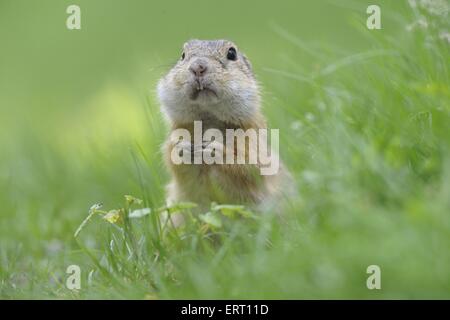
[(213, 82)]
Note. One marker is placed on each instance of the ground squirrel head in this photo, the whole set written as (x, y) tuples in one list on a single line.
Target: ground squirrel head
[(211, 79)]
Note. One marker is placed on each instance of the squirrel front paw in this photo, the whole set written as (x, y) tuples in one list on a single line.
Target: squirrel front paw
[(213, 152), (183, 148), (208, 152)]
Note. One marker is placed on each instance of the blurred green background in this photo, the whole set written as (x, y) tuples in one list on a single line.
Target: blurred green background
[(364, 119)]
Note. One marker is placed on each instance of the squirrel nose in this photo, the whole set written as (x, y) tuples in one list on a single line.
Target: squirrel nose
[(198, 68)]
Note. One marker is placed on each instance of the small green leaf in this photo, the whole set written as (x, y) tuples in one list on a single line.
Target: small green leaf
[(181, 206), (246, 213), (114, 216), (132, 200), (231, 211), (211, 219), (139, 213)]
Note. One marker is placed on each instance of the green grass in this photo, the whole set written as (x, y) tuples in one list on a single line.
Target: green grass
[(364, 120)]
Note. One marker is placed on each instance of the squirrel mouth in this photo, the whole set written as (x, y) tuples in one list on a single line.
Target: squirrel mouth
[(200, 88)]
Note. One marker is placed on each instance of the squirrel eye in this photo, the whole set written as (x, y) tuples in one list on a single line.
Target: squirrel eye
[(232, 54), (182, 56)]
